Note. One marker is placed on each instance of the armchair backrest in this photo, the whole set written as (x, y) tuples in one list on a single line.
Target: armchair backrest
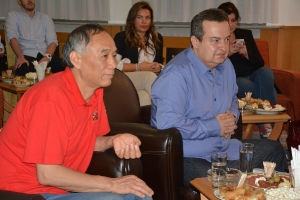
[(121, 100), (9, 52), (263, 48)]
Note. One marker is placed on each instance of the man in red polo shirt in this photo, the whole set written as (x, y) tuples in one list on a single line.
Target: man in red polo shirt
[(48, 141)]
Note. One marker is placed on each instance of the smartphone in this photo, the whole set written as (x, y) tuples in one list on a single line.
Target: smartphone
[(239, 42)]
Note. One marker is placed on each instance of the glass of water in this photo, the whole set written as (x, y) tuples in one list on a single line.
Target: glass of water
[(219, 160), (246, 157), (218, 178)]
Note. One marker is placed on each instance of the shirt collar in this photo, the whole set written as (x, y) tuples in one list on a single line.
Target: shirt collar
[(198, 65), (76, 92), (34, 16)]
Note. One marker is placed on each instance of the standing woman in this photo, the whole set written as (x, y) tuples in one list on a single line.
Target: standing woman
[(139, 50), (251, 75)]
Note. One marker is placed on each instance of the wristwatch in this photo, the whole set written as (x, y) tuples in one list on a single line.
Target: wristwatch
[(48, 56)]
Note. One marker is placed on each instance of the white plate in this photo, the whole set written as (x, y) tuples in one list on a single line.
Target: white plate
[(268, 112), (6, 80), (21, 85), (217, 194)]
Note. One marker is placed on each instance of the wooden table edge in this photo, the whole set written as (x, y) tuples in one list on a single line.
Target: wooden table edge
[(203, 185)]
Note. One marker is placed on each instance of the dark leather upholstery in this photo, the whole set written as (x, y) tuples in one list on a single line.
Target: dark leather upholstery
[(8, 195), (161, 163), (122, 101)]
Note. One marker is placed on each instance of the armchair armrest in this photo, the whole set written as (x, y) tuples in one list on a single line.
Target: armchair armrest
[(161, 161), (288, 82), (19, 196)]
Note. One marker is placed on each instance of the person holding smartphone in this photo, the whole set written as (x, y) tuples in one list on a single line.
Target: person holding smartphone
[(251, 74)]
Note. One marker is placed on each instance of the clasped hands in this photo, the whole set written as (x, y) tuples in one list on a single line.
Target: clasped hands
[(148, 66), (228, 124)]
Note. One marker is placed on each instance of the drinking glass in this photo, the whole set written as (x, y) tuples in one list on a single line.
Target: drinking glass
[(219, 160), (246, 157), (218, 178)]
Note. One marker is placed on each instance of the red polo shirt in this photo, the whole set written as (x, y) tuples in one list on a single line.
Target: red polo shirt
[(52, 124)]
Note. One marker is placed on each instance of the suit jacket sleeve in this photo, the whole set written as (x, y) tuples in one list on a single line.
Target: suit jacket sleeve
[(253, 53)]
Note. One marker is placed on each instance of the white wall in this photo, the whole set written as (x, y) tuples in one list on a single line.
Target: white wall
[(289, 12)]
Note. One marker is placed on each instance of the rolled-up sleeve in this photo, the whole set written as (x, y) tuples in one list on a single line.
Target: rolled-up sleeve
[(51, 36), (11, 26)]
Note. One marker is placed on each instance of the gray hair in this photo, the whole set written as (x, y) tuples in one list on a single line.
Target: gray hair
[(78, 40), (212, 14)]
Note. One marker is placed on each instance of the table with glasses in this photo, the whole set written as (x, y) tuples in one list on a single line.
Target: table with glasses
[(19, 91), (277, 119), (203, 185)]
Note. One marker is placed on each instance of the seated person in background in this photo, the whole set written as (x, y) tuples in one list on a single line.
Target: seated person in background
[(48, 141), (140, 50), (251, 75), (196, 93), (2, 63), (32, 36)]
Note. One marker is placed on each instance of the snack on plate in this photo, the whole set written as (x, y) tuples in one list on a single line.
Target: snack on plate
[(277, 180), (254, 104), (31, 75), (242, 104), (20, 80), (283, 193), (246, 192)]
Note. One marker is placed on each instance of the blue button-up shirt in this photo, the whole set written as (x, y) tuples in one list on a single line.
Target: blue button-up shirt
[(34, 34), (188, 95)]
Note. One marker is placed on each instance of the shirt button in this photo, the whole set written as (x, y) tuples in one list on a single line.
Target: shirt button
[(215, 99)]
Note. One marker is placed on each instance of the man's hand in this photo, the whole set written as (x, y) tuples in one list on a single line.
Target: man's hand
[(20, 60), (126, 146), (131, 184), (228, 124)]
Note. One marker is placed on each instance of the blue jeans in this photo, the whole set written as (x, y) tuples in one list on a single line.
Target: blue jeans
[(94, 196), (264, 150), (260, 83)]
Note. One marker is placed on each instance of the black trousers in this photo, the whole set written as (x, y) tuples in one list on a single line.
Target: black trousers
[(55, 64)]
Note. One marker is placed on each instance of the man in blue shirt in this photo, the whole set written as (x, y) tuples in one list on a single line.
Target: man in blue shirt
[(32, 36), (196, 93)]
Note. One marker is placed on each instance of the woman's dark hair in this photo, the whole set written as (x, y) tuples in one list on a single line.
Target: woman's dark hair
[(131, 35), (78, 40), (230, 8)]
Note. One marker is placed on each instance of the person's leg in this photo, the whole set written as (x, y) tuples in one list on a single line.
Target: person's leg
[(245, 85), (134, 197), (24, 69), (144, 97), (85, 196), (56, 64), (142, 82), (194, 168), (263, 79), (268, 150)]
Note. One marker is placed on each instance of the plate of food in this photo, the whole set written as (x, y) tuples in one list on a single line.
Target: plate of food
[(273, 111), (6, 79), (277, 180), (21, 81), (21, 85), (231, 192), (217, 194)]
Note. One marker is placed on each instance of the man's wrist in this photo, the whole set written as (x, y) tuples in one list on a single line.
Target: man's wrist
[(47, 55)]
